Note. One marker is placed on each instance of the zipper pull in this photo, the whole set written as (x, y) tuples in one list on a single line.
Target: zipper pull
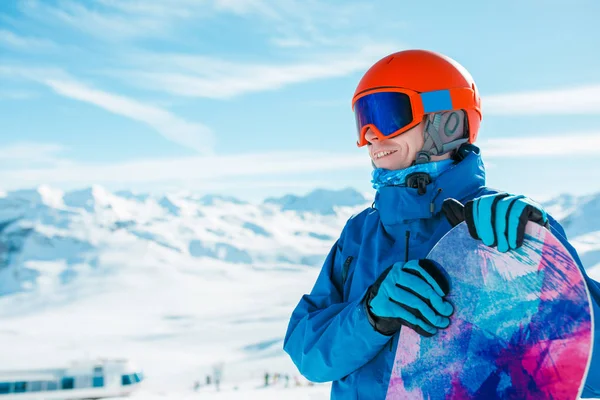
[(432, 204)]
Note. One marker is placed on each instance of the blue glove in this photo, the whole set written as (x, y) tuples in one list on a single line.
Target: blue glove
[(497, 219), (410, 294)]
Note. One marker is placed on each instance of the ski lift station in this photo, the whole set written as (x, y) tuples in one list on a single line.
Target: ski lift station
[(81, 380)]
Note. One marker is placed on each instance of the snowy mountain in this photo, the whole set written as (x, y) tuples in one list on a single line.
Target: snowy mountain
[(79, 230), (320, 201), (178, 282), (581, 219)]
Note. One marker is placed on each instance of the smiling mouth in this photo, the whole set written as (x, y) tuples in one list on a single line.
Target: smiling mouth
[(381, 154)]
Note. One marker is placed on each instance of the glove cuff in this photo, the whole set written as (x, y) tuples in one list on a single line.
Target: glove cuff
[(384, 325)]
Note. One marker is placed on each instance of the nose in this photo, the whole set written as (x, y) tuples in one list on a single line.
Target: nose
[(370, 136)]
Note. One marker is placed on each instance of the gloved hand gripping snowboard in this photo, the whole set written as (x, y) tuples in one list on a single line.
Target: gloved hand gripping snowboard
[(498, 220), (410, 294)]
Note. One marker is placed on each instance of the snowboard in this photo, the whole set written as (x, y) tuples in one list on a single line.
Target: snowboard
[(522, 326)]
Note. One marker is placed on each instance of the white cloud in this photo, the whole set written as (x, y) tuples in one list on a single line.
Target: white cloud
[(288, 23), (569, 144), (185, 170), (11, 39), (248, 7), (193, 135), (131, 19), (105, 24), (331, 46), (28, 151), (32, 155), (248, 170), (567, 101), (291, 42), (311, 23), (159, 9), (199, 76)]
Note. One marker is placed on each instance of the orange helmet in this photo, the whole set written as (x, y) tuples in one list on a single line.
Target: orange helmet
[(425, 82)]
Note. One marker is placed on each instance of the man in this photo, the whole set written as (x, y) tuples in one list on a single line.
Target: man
[(418, 114)]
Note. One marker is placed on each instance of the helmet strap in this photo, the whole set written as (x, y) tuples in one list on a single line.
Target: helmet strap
[(443, 133)]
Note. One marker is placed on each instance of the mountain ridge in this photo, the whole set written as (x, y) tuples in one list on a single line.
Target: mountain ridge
[(78, 230)]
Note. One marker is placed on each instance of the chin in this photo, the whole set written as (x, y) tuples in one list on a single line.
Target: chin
[(392, 165)]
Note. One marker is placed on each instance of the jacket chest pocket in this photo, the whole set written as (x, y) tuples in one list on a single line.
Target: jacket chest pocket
[(356, 277)]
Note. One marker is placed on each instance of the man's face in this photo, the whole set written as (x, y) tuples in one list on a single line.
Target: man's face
[(402, 149)]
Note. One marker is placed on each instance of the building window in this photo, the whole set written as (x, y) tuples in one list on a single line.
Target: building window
[(4, 387), (98, 381), (84, 381), (35, 386), (51, 385), (68, 383), (20, 387), (98, 371), (125, 380)]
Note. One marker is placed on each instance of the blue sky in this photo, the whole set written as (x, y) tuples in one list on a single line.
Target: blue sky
[(251, 98)]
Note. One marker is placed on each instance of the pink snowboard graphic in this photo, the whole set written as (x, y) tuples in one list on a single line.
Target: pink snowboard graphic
[(522, 328)]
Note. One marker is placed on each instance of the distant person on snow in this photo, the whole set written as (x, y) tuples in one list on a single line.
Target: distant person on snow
[(418, 114)]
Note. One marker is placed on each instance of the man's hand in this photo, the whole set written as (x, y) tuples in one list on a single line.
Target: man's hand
[(497, 219), (410, 294)]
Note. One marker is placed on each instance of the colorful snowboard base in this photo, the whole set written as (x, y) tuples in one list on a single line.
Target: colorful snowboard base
[(522, 327)]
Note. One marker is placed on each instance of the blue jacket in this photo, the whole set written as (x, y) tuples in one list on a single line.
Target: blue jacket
[(329, 337)]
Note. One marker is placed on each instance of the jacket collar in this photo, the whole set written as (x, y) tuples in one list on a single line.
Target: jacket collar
[(399, 204)]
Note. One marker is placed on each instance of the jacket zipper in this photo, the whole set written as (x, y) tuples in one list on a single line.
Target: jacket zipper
[(406, 246), (405, 260), (345, 268)]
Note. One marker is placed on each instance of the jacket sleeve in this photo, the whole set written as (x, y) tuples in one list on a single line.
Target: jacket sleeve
[(328, 338), (592, 384)]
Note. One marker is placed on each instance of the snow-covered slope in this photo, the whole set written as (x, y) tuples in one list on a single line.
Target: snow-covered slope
[(320, 201), (178, 282), (580, 216), (80, 231)]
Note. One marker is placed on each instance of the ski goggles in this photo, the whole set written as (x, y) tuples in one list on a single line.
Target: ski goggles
[(389, 112)]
